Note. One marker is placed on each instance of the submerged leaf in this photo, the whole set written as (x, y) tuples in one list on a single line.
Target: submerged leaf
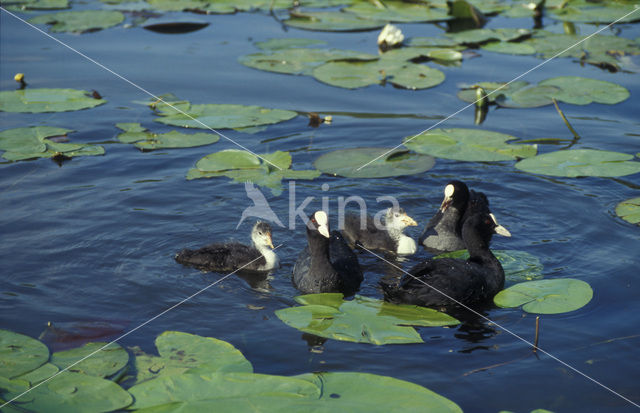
[(546, 296), (580, 162), (361, 320), (350, 163)]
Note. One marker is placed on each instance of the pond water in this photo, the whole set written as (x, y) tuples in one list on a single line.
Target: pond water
[(93, 240)]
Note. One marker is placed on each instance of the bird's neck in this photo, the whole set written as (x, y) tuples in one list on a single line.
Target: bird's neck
[(269, 255)]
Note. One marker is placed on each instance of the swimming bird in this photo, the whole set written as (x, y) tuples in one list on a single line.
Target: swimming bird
[(443, 232), (226, 257), (383, 237), (435, 282), (326, 264)]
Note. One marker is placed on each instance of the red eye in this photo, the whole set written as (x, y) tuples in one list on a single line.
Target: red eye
[(314, 221)]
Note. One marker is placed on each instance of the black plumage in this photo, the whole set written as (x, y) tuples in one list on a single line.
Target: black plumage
[(326, 264)]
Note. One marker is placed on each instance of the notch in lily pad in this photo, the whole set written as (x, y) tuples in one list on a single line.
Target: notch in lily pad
[(243, 166), (350, 163), (38, 142), (145, 140), (546, 296), (361, 320)]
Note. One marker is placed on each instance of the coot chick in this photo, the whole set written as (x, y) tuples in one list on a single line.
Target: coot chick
[(388, 238), (443, 232), (326, 264), (229, 257), (469, 282)]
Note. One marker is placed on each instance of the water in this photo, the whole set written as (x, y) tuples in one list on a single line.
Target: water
[(93, 240)]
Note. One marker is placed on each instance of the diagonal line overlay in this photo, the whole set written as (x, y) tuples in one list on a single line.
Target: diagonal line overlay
[(502, 328), (134, 329), (157, 98), (500, 88)]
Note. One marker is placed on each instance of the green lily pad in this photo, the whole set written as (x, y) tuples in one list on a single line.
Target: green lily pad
[(29, 140), (587, 12), (182, 352), (447, 55), (39, 5), (509, 48), (347, 163), (417, 76), (468, 94), (399, 11), (20, 354), (629, 210), (364, 392), (228, 159), (46, 100), (361, 320), (74, 392), (582, 91), (546, 296), (80, 21), (101, 363), (518, 266), (479, 36), (580, 162), (221, 116), (277, 44), (337, 21), (300, 60), (473, 145), (531, 96), (431, 42), (41, 373), (148, 141)]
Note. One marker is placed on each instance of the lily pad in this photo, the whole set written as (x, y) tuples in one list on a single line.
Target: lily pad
[(221, 116), (39, 5), (148, 141), (41, 373), (181, 352), (101, 362), (509, 48), (546, 296), (473, 145), (361, 320), (584, 11), (29, 140), (629, 210), (518, 265), (431, 42), (399, 11), (479, 36), (80, 21), (46, 100), (363, 392), (288, 43), (73, 392), (337, 21), (228, 159), (582, 91), (20, 354), (580, 162), (300, 60), (349, 163)]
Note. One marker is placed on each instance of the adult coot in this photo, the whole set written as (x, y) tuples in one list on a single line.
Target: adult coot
[(387, 236), (326, 264), (226, 257), (435, 282)]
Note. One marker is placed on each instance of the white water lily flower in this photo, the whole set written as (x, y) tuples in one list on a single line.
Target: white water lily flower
[(390, 36)]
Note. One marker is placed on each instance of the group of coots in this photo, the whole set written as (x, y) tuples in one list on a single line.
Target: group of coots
[(328, 263)]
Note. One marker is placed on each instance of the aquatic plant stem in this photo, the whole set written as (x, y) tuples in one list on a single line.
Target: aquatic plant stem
[(566, 121), (535, 340), (5, 403), (482, 316)]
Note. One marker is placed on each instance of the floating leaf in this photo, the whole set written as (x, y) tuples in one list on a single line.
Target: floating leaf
[(361, 320), (509, 48), (399, 11), (181, 352), (74, 392), (469, 145), (148, 141), (28, 140), (99, 361), (347, 163), (416, 76), (363, 392), (46, 100), (478, 36), (584, 11), (582, 91), (20, 354), (580, 162), (531, 96), (431, 42), (228, 159), (331, 21), (39, 5), (41, 373), (277, 44), (221, 116), (80, 21), (493, 89), (629, 210), (546, 296), (518, 265), (447, 55), (299, 60)]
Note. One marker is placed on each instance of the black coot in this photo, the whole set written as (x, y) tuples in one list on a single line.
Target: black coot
[(326, 264), (226, 257), (387, 237)]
